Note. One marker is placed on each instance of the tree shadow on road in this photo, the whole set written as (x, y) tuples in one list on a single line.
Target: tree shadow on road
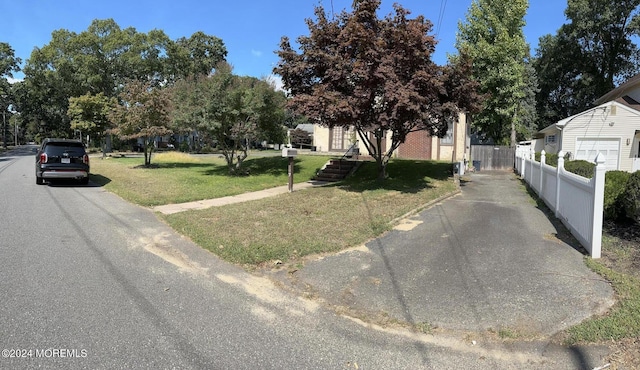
[(95, 181)]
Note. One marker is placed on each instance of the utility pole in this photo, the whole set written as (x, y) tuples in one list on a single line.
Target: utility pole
[(4, 127), (4, 122)]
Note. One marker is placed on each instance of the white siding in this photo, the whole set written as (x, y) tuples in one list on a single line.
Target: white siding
[(598, 123)]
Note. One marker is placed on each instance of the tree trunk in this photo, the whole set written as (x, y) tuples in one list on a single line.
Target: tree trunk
[(148, 148), (380, 157), (513, 129), (382, 170)]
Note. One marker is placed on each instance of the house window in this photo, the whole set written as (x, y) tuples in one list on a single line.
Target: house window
[(550, 139), (447, 139)]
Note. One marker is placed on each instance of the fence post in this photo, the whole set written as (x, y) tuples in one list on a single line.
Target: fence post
[(559, 182), (598, 205), (532, 157), (523, 159), (543, 161)]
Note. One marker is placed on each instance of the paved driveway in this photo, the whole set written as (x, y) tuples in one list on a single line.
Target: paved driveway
[(486, 259)]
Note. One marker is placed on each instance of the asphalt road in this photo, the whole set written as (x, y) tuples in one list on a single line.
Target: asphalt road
[(90, 281)]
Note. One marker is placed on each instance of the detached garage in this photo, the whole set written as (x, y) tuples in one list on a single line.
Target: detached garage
[(588, 149), (610, 128)]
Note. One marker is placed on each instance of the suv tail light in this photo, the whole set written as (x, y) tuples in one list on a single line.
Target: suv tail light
[(85, 159), (43, 158)]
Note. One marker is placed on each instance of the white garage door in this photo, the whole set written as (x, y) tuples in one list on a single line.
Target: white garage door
[(588, 149)]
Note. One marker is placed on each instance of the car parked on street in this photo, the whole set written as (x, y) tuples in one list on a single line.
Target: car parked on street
[(62, 159)]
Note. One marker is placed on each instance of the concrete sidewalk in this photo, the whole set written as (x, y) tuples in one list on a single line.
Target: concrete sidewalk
[(208, 203)]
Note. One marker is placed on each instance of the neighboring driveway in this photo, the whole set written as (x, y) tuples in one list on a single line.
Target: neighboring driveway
[(486, 259)]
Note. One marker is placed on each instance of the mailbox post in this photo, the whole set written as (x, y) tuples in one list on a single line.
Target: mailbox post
[(290, 153)]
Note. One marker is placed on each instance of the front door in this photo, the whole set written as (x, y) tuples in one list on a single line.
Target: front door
[(337, 136)]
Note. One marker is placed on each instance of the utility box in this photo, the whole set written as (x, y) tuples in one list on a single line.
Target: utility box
[(289, 152)]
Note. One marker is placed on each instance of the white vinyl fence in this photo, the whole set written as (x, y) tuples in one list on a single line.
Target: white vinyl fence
[(576, 201)]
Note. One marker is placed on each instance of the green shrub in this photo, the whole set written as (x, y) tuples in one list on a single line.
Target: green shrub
[(550, 158), (580, 167), (614, 187), (631, 198), (184, 146)]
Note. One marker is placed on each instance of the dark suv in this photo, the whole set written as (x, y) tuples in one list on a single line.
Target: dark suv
[(62, 159)]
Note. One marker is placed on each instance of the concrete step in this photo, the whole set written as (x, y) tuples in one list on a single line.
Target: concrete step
[(336, 170)]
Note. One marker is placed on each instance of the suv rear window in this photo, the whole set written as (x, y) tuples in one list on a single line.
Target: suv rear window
[(57, 149)]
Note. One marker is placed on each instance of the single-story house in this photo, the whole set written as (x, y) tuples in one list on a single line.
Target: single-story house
[(612, 127), (453, 147)]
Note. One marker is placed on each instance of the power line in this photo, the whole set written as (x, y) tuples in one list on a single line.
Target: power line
[(443, 6), (332, 14)]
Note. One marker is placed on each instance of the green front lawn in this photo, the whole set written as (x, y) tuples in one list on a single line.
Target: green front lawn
[(178, 178), (317, 220)]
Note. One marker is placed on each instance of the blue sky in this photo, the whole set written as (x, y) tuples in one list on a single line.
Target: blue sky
[(250, 29)]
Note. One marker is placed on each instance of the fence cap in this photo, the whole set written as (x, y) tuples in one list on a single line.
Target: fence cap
[(601, 159)]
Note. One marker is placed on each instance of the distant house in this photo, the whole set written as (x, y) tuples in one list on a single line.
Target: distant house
[(306, 127), (453, 147), (612, 127)]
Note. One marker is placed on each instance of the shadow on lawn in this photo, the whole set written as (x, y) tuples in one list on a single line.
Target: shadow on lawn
[(185, 165), (274, 166), (406, 176)]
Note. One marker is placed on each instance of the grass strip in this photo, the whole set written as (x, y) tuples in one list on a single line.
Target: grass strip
[(623, 321)]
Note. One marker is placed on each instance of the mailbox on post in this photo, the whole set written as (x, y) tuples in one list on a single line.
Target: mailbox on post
[(290, 153)]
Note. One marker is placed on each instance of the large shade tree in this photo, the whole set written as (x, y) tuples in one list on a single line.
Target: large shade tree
[(375, 75), (231, 110), (492, 34), (144, 113), (89, 114), (100, 60), (8, 64), (587, 57), (194, 56)]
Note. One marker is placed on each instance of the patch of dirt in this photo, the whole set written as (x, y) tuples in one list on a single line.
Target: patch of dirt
[(625, 354), (623, 255)]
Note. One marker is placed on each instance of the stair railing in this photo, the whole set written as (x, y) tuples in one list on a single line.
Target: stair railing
[(349, 153)]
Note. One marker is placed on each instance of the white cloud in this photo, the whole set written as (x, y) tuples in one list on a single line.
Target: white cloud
[(256, 53), (275, 81), (12, 80)]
